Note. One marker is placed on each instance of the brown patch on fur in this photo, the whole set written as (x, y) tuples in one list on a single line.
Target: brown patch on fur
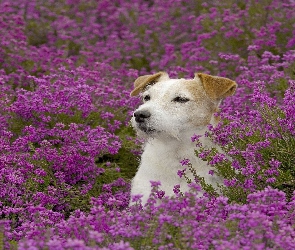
[(195, 89), (143, 81), (217, 87), (201, 99)]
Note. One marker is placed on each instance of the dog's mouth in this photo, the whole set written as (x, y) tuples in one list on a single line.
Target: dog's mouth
[(145, 128)]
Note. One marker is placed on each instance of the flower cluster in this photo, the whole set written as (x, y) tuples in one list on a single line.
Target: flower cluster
[(68, 153), (186, 222)]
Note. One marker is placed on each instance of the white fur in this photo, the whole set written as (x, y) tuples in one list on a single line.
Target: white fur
[(173, 125)]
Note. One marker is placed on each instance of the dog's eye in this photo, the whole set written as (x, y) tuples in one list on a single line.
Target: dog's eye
[(146, 98), (180, 99)]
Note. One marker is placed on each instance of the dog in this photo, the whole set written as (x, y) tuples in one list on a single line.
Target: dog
[(173, 110)]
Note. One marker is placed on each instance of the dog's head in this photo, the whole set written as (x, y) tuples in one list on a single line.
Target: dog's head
[(174, 106)]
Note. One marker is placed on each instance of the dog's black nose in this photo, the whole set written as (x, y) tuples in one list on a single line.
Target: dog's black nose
[(140, 116)]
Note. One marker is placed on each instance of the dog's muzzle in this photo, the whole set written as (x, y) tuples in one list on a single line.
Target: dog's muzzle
[(141, 117)]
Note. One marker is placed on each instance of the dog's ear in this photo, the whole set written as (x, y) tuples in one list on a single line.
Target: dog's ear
[(217, 87), (143, 81)]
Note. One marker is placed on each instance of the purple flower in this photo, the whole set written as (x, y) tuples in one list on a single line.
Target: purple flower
[(195, 137), (181, 173), (160, 194), (176, 189), (274, 163), (211, 172), (65, 78), (271, 180), (136, 198), (155, 183), (185, 162)]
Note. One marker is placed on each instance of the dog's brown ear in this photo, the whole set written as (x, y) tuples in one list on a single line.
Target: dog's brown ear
[(217, 87), (143, 81)]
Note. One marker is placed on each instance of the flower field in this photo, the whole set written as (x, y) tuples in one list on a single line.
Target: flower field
[(68, 152)]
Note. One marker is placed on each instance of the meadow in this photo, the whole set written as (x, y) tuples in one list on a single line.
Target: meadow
[(68, 152)]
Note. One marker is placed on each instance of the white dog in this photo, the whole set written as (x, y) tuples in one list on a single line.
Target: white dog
[(173, 111)]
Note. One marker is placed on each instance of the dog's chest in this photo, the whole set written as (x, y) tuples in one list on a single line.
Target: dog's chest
[(161, 161)]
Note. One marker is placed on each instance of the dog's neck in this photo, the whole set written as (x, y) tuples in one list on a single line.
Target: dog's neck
[(178, 144)]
